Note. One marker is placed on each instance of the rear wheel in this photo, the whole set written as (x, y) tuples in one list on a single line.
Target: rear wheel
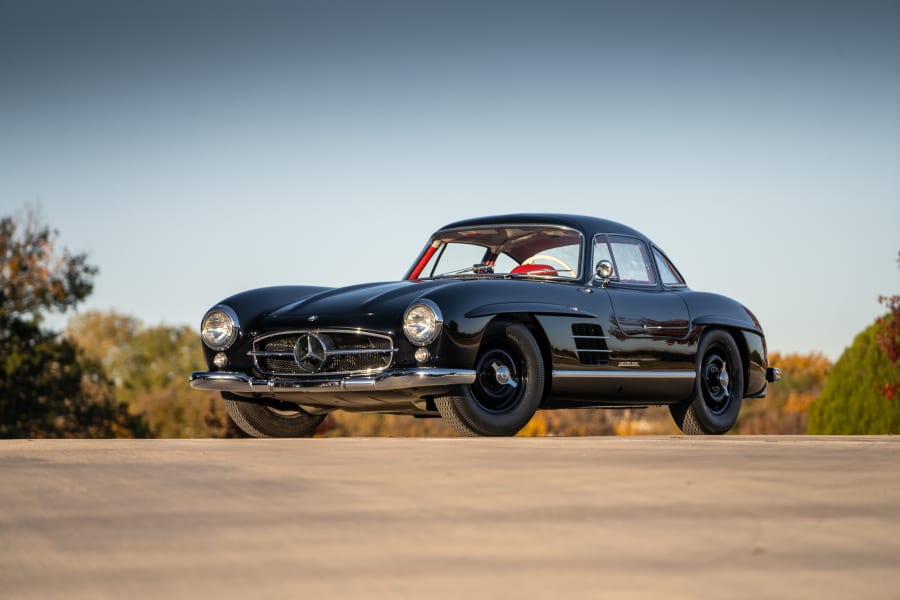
[(273, 419), (508, 386), (718, 388)]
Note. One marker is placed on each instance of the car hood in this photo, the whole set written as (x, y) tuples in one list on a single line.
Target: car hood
[(364, 301)]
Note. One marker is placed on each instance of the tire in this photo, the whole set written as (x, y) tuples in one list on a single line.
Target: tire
[(492, 406), (273, 420), (716, 400)]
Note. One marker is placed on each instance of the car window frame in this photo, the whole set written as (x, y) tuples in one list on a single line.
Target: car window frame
[(582, 249), (654, 249), (655, 285)]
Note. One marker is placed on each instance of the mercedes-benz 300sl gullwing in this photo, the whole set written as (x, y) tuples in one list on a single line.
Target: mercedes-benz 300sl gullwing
[(496, 318)]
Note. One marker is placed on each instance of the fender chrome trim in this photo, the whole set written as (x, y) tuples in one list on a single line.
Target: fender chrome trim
[(400, 379)]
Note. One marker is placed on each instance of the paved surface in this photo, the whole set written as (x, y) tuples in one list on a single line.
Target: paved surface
[(451, 518)]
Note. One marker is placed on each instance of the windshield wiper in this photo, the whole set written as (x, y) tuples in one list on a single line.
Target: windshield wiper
[(479, 269)]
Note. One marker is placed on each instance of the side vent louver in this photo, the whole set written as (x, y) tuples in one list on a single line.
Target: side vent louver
[(590, 343)]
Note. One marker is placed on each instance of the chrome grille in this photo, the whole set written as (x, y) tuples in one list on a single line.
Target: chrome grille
[(590, 344), (342, 352)]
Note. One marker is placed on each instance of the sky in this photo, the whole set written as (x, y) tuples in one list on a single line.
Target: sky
[(194, 149)]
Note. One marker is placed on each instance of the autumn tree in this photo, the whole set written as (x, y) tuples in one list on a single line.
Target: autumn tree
[(853, 400), (47, 387), (785, 408), (149, 367)]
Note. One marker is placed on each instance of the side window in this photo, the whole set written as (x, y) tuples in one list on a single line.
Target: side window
[(601, 250), (667, 271), (629, 257)]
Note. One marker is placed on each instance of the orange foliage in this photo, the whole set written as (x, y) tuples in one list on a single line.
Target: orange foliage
[(346, 424), (536, 427), (786, 406)]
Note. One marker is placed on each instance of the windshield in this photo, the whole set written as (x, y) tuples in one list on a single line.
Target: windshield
[(513, 250)]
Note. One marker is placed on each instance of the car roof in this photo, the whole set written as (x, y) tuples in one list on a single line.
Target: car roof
[(589, 226)]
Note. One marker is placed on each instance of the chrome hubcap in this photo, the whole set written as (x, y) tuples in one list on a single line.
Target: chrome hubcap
[(503, 375), (724, 379), (716, 382), (499, 373)]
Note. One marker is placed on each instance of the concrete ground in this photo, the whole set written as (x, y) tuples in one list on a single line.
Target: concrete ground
[(662, 517)]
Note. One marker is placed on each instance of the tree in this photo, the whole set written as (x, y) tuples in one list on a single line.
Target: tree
[(889, 336), (149, 367), (853, 401), (785, 408), (889, 340), (47, 387), (34, 277)]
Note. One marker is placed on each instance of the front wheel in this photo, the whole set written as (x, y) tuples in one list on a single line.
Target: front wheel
[(718, 388), (509, 383), (274, 419)]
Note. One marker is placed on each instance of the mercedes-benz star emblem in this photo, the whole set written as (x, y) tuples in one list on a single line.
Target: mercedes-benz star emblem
[(310, 352)]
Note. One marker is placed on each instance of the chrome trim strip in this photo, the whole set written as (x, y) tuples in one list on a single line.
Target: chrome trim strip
[(328, 352), (586, 350), (624, 374), (362, 351), (350, 330), (388, 381)]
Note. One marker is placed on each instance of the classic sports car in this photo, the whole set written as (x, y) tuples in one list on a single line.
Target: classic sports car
[(497, 317)]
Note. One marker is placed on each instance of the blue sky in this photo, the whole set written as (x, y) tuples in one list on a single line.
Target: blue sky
[(194, 149)]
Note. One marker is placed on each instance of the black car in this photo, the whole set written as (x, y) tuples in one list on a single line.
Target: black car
[(497, 317)]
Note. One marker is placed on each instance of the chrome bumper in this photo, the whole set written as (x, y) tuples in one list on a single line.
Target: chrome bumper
[(383, 382), (773, 374)]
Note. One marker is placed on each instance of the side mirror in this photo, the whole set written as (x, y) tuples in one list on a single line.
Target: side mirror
[(604, 271)]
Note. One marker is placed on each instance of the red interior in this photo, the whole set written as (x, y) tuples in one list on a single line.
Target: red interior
[(534, 269)]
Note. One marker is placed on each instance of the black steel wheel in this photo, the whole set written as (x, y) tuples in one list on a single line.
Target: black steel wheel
[(508, 386), (718, 389), (272, 419)]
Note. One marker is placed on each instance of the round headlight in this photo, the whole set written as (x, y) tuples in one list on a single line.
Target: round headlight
[(422, 322), (220, 328)]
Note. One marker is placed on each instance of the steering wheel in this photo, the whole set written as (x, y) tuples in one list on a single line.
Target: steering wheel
[(546, 257)]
